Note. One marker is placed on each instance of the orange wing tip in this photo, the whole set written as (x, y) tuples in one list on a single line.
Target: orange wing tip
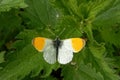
[(39, 43), (78, 44)]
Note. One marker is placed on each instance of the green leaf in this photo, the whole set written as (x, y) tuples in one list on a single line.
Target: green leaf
[(108, 25), (2, 56), (81, 72), (98, 50), (6, 5), (99, 7), (9, 28), (44, 18), (41, 14), (116, 63)]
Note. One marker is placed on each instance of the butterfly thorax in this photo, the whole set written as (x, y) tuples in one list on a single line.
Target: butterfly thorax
[(57, 43)]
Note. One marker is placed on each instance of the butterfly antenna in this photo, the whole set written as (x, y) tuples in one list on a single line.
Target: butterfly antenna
[(54, 33), (61, 32), (51, 32)]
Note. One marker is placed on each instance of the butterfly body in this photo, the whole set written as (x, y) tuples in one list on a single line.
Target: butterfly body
[(57, 43), (61, 50)]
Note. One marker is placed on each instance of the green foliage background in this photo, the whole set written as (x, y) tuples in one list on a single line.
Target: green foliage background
[(98, 21)]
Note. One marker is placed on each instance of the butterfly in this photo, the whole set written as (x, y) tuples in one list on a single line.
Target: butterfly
[(58, 50)]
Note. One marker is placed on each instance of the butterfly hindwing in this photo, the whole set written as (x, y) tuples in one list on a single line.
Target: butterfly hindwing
[(46, 46)]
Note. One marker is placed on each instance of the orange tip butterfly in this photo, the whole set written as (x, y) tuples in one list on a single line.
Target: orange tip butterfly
[(58, 50)]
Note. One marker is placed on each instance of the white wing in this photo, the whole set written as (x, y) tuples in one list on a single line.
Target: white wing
[(65, 52), (49, 52)]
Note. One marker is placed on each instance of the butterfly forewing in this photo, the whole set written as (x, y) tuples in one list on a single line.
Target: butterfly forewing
[(77, 44), (39, 43)]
